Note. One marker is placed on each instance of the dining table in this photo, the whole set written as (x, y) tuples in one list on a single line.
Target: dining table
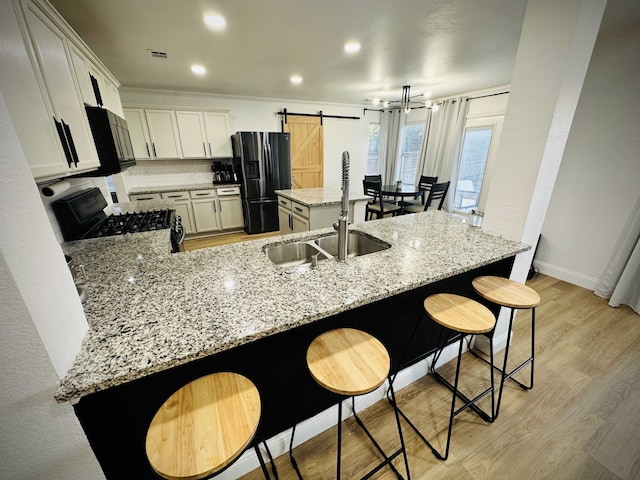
[(403, 190)]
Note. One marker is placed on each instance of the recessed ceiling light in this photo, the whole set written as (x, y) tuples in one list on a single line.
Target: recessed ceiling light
[(352, 47), (215, 21), (198, 69), (296, 79)]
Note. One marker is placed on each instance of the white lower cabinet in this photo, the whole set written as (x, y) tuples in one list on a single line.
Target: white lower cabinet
[(139, 197), (205, 210), (284, 220), (230, 207), (295, 217), (184, 208)]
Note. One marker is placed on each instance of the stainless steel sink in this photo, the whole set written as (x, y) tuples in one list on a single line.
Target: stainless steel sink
[(357, 244), (293, 254), (302, 253)]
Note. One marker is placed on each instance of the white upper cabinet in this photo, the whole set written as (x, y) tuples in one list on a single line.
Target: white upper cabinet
[(163, 132), (172, 134), (27, 101), (139, 133), (218, 134), (49, 43), (204, 134), (192, 134), (44, 79)]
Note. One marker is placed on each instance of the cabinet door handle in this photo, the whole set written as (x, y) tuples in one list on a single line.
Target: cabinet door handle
[(146, 144), (205, 149), (143, 198), (63, 141), (291, 222), (201, 194), (215, 210), (174, 196), (219, 206), (72, 146), (153, 144), (210, 154), (298, 209)]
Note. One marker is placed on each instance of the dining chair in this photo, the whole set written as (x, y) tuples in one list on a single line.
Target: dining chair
[(379, 208), (371, 178), (424, 185), (438, 191)]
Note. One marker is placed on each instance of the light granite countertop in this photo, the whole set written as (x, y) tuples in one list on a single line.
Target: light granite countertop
[(312, 197), (180, 188), (149, 310)]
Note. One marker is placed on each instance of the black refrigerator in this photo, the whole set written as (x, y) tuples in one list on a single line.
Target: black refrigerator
[(262, 161)]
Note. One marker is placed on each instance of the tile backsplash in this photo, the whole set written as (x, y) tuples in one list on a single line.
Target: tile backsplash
[(169, 172)]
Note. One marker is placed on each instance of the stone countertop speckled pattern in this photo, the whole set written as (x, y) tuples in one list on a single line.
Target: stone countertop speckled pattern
[(149, 310), (312, 197), (181, 188)]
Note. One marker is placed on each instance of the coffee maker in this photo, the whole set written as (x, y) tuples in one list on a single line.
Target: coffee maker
[(223, 171)]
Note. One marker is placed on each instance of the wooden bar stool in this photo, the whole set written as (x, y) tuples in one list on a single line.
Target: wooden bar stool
[(460, 316), (515, 296), (351, 362), (204, 427)]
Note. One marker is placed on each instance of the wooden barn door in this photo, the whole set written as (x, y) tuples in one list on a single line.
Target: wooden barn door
[(307, 157)]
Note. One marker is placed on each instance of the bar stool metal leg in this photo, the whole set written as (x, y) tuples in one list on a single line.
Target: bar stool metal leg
[(342, 350), (515, 296), (459, 316)]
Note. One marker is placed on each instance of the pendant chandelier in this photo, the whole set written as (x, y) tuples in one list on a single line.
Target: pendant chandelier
[(406, 103)]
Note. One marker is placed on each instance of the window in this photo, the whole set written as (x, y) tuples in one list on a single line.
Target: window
[(411, 143), (473, 160), (373, 158)]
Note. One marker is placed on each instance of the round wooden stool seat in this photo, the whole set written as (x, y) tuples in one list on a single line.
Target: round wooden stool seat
[(348, 361), (506, 292), (203, 426), (460, 314)]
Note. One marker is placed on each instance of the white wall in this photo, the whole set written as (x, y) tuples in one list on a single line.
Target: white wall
[(254, 114), (599, 178)]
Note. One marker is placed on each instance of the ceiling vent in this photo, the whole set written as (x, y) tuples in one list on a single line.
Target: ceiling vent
[(157, 54)]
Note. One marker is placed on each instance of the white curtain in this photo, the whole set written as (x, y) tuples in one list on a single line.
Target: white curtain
[(441, 148), (391, 124), (620, 282)]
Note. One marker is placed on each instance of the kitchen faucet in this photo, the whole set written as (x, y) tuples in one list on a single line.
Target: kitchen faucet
[(342, 225)]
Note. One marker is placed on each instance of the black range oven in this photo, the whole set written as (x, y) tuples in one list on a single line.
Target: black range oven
[(81, 215)]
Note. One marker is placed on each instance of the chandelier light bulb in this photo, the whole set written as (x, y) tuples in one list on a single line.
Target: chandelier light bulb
[(435, 108), (376, 101), (428, 103), (407, 109), (385, 104), (427, 93)]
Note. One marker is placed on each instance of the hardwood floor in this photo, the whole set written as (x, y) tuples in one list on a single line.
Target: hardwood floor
[(580, 421), (195, 243)]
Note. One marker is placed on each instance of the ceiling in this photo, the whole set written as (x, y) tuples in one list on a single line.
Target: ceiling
[(448, 47)]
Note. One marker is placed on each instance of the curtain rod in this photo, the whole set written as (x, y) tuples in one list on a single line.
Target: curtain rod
[(487, 95), (319, 114)]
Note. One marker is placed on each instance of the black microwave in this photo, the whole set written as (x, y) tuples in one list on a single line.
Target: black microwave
[(112, 140)]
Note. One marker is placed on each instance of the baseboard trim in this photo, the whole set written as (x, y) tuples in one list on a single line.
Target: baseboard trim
[(481, 343), (569, 276), (307, 429)]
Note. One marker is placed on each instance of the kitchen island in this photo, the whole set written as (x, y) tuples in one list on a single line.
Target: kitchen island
[(158, 320), (303, 209)]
